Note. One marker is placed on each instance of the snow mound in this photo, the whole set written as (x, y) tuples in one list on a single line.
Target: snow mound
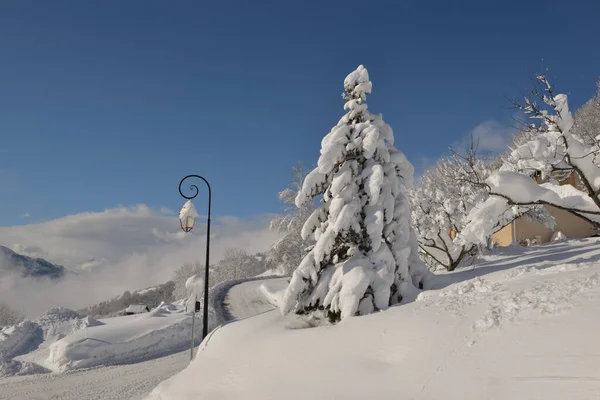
[(23, 347), (9, 367), (19, 339), (59, 322), (127, 339)]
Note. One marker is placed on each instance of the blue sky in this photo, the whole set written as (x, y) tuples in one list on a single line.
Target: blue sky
[(111, 103)]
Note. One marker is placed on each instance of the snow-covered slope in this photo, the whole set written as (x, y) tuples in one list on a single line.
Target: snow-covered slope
[(25, 266), (521, 325)]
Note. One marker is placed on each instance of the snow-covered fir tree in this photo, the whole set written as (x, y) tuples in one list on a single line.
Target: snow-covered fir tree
[(365, 257)]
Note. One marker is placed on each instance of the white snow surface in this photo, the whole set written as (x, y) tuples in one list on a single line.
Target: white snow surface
[(522, 324)]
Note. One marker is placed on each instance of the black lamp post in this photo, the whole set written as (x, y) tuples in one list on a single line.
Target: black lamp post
[(187, 224)]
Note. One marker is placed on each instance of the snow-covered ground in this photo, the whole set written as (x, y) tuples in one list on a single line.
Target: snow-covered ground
[(521, 325)]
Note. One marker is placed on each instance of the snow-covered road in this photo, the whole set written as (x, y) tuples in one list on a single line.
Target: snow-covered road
[(135, 381), (131, 381)]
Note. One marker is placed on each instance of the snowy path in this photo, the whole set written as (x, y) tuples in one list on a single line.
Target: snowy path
[(131, 381), (235, 300), (254, 297)]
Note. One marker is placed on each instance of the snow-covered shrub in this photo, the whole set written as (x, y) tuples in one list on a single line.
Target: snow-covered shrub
[(365, 257)]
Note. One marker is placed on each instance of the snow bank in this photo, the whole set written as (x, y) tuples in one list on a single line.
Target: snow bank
[(9, 367), (59, 322), (24, 347), (515, 336), (19, 339), (163, 330)]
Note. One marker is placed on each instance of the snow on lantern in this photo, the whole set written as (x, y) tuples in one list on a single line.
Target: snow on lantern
[(187, 216)]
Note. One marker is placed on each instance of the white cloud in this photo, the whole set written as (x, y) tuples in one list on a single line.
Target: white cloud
[(26, 215), (125, 248), (491, 137), (166, 211)]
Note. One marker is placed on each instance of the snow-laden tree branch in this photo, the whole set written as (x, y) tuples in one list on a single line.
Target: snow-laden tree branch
[(548, 151), (441, 203), (365, 257)]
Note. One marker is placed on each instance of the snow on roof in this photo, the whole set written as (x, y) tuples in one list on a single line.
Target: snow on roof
[(136, 308)]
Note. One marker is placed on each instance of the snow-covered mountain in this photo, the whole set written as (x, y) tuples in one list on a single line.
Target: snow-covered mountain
[(11, 261)]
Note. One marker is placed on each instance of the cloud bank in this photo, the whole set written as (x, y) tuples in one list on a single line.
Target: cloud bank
[(119, 249), (491, 136)]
